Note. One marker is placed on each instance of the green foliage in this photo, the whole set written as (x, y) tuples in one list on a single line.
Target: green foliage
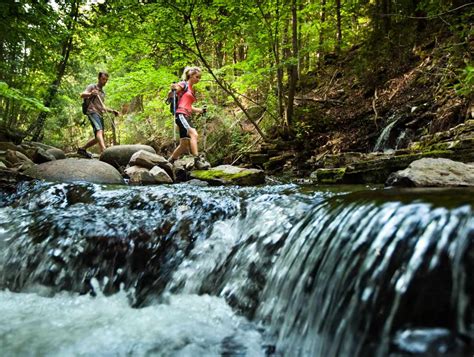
[(25, 101), (465, 86), (145, 46)]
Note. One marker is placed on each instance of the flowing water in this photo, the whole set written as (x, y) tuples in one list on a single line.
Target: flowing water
[(279, 270)]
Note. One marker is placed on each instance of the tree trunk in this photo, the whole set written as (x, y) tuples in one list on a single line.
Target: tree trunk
[(276, 48), (338, 25), (36, 129), (293, 69), (321, 31), (278, 62), (221, 83)]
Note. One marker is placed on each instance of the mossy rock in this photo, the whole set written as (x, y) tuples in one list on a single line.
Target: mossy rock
[(329, 176), (230, 175)]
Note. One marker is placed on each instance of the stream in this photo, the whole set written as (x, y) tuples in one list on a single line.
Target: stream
[(276, 270)]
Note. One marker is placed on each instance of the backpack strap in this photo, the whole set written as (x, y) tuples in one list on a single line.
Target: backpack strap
[(185, 87)]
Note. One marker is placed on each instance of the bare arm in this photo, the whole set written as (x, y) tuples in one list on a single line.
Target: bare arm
[(198, 110), (177, 87), (89, 92)]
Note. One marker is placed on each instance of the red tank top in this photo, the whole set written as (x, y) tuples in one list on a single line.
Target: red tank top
[(186, 102)]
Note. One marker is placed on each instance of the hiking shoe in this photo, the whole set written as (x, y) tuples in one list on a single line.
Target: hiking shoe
[(84, 153), (201, 164)]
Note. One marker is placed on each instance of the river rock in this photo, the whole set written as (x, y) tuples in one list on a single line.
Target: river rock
[(160, 175), (39, 152), (149, 160), (6, 145), (41, 155), (69, 170), (17, 160), (139, 175), (120, 155), (230, 175), (57, 153), (182, 167), (430, 172)]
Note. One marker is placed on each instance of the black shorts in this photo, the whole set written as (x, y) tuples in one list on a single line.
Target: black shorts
[(184, 124), (96, 121)]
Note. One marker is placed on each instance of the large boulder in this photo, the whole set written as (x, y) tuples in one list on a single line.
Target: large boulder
[(230, 175), (429, 172), (119, 155), (69, 170)]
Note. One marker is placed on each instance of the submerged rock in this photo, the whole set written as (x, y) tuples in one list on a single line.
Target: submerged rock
[(70, 170), (230, 175), (428, 342)]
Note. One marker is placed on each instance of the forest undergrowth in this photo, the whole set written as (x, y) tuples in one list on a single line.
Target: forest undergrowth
[(345, 105)]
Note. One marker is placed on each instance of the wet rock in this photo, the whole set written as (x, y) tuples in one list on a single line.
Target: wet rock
[(70, 170), (230, 175), (429, 172), (120, 155), (428, 342), (10, 178)]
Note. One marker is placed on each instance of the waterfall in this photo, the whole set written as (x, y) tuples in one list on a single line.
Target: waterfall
[(286, 270), (383, 139), (349, 274)]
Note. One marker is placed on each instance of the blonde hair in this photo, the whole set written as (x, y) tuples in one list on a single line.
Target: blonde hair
[(189, 71)]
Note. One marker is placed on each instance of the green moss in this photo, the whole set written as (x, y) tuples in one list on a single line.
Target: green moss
[(437, 153), (208, 175), (330, 176)]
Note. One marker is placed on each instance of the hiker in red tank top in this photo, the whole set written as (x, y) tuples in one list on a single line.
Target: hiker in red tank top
[(188, 135)]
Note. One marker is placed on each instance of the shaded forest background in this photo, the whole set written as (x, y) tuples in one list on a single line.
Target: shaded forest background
[(318, 74)]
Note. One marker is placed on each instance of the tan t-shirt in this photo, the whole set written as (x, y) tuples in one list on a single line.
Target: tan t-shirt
[(95, 106)]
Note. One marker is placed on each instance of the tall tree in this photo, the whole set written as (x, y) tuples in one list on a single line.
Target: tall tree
[(36, 129), (293, 67)]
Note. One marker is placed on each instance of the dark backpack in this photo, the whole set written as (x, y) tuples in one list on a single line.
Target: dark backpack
[(85, 105), (176, 96), (86, 102)]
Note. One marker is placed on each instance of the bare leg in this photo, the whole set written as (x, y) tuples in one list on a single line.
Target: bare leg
[(183, 148), (90, 143), (99, 135), (194, 141)]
